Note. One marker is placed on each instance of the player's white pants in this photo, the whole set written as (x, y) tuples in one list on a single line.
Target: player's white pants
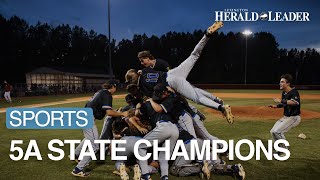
[(186, 122), (129, 147), (283, 125), (7, 96), (106, 132), (89, 134), (201, 130), (183, 167), (177, 78), (162, 132)]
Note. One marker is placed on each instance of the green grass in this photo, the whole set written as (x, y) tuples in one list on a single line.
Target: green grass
[(20, 101), (260, 91), (304, 162)]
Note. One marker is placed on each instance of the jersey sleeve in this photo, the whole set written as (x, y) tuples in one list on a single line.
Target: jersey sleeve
[(143, 109), (107, 102), (295, 97), (168, 104)]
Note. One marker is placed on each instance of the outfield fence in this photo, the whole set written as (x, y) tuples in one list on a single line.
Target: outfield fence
[(21, 89)]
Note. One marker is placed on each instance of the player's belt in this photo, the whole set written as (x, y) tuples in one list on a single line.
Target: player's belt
[(188, 141)]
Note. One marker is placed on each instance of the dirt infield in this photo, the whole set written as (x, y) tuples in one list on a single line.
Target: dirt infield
[(262, 95), (262, 113), (241, 112)]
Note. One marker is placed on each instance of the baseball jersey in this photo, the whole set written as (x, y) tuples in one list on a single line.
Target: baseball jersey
[(292, 95), (100, 103), (150, 78), (173, 106), (7, 87), (121, 126), (149, 114), (161, 65), (128, 107)]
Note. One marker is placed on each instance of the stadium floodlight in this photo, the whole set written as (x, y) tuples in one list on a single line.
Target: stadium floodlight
[(246, 33)]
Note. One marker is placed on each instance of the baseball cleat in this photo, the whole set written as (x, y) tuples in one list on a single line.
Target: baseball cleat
[(79, 173), (146, 177), (205, 169), (123, 173), (165, 177), (116, 172), (136, 172), (214, 27), (227, 113), (239, 172)]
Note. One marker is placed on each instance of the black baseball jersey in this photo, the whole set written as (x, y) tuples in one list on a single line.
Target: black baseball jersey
[(173, 105), (161, 65), (100, 102), (184, 135), (150, 78), (292, 95), (149, 114), (128, 107)]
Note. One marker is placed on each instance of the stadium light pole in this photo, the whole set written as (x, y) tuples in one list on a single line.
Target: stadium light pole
[(246, 33), (109, 41)]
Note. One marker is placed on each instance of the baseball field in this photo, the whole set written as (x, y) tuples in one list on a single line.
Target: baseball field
[(253, 120)]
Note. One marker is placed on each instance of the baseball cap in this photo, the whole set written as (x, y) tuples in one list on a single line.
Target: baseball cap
[(112, 82), (129, 98), (158, 90)]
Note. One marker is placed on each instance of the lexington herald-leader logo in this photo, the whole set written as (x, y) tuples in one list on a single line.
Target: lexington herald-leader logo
[(272, 16)]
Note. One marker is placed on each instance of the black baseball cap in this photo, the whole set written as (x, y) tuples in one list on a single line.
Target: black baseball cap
[(129, 98), (112, 82), (158, 90)]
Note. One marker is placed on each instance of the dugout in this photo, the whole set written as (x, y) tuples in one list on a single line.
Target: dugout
[(66, 80)]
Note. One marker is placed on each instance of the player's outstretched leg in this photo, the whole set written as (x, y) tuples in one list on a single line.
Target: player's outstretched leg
[(182, 86), (185, 67)]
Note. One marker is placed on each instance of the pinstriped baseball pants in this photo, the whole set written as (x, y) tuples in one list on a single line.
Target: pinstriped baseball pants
[(283, 125), (177, 79)]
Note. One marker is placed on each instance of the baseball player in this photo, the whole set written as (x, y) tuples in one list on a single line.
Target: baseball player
[(7, 90), (122, 130), (165, 101), (290, 102), (176, 78), (145, 57), (147, 60), (183, 167), (101, 104), (170, 103), (163, 129), (132, 102), (106, 132)]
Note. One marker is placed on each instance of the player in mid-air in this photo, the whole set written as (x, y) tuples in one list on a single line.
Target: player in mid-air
[(176, 78), (290, 102)]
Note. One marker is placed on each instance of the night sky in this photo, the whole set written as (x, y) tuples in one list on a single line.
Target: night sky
[(129, 17)]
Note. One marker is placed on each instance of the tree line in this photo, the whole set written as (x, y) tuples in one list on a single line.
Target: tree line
[(25, 47)]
